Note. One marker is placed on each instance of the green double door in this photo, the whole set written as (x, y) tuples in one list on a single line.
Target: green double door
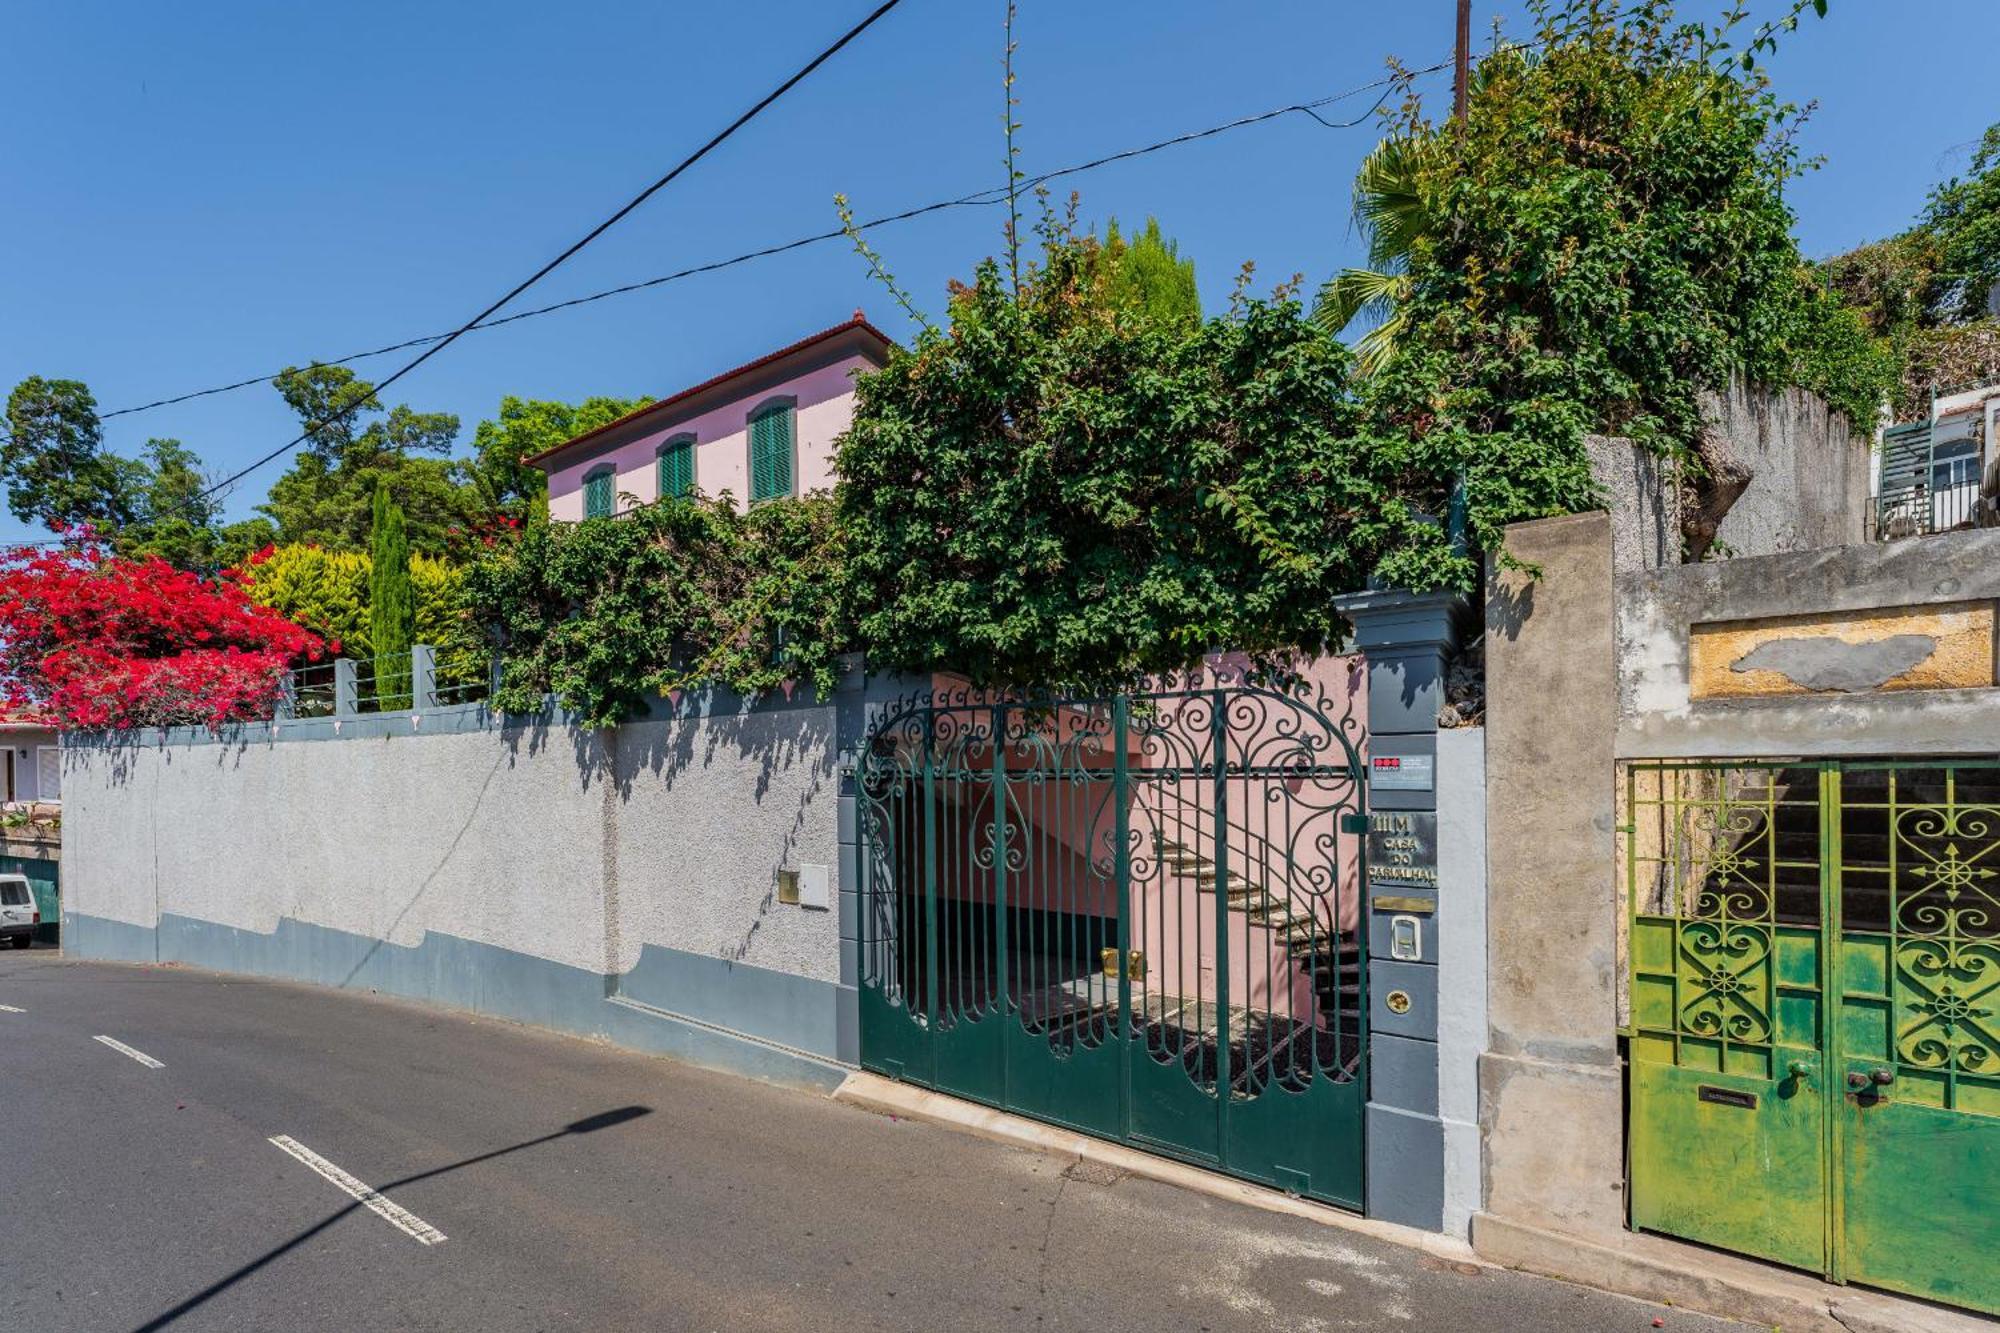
[(1133, 915), (1814, 1017)]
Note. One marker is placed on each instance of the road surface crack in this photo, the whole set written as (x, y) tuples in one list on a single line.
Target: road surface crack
[(1048, 1234)]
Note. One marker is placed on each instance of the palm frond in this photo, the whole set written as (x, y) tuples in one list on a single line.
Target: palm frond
[(1356, 292), (1388, 202)]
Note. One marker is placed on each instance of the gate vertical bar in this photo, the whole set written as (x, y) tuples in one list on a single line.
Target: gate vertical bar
[(1122, 1025), (1000, 957), (1219, 727), (930, 887)]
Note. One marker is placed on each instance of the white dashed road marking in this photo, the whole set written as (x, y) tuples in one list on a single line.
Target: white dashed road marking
[(10, 1009), (394, 1214), (140, 1056)]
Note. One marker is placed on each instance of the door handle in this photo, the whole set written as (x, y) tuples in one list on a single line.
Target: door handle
[(1135, 963), (1800, 1071), (1881, 1076)]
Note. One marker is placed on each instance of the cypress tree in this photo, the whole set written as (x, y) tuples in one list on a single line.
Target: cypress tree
[(391, 604)]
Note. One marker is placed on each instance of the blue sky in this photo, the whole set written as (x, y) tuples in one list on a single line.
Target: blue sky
[(200, 193)]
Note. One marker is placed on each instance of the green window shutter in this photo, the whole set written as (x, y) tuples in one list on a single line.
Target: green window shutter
[(677, 469), (597, 498), (771, 454)]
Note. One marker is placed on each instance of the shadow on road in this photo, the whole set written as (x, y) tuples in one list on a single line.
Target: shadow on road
[(587, 1125)]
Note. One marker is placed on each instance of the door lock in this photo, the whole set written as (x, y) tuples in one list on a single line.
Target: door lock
[(1881, 1076)]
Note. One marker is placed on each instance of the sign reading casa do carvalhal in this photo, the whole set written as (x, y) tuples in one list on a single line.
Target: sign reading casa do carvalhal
[(1402, 847)]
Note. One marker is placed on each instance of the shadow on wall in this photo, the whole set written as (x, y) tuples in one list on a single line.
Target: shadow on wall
[(1508, 607), (749, 743)]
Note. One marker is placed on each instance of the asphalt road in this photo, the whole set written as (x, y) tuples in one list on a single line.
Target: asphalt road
[(580, 1187)]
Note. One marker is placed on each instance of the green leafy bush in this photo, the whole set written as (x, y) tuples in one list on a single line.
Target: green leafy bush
[(610, 613), (327, 592), (323, 591), (1064, 487)]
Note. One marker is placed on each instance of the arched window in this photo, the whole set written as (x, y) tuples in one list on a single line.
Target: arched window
[(772, 443), (677, 467), (599, 498)]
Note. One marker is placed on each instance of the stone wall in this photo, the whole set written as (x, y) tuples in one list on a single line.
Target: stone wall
[(1809, 481), (1836, 608), (618, 883), (1811, 484)]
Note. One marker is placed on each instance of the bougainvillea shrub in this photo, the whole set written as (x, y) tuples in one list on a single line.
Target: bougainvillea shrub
[(92, 640)]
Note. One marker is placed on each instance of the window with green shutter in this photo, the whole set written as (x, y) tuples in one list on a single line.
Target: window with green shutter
[(677, 468), (598, 498), (771, 453)]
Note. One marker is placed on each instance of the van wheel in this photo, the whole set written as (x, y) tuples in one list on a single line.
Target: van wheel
[(24, 941)]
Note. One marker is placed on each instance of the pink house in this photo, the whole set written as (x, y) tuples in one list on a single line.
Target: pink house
[(758, 432)]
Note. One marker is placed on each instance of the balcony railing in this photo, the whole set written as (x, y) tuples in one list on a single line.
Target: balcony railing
[(1926, 487), (404, 682)]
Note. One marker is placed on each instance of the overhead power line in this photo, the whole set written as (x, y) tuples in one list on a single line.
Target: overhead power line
[(697, 155), (979, 198), (440, 342)]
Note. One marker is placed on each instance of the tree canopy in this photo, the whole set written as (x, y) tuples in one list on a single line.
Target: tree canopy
[(1927, 294), (1604, 239)]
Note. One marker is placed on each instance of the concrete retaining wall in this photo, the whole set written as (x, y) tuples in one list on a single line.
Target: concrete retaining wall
[(1551, 1093), (1659, 715), (618, 883)]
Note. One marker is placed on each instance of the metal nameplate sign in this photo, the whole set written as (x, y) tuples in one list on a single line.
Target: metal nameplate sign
[(1726, 1096), (1402, 772), (1402, 847)]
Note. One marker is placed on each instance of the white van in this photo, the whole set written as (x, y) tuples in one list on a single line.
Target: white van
[(18, 914)]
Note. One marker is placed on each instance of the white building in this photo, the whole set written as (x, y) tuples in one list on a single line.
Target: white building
[(32, 767)]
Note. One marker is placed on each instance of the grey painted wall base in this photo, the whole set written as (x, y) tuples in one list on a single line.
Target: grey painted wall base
[(1407, 639), (1405, 1167), (793, 1040)]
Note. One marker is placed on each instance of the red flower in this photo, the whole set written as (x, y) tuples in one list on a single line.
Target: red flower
[(93, 640)]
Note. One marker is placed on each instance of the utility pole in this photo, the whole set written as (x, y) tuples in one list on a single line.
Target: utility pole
[(1462, 62)]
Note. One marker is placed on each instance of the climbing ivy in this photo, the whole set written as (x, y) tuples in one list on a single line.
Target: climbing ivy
[(1065, 487), (610, 614)]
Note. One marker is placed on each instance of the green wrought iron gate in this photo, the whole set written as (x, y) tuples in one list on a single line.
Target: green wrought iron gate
[(1814, 1018), (1133, 914)]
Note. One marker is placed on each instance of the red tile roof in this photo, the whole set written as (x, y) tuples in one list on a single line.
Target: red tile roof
[(858, 323)]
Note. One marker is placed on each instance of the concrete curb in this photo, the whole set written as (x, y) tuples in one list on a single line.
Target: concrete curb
[(1692, 1277), (871, 1092)]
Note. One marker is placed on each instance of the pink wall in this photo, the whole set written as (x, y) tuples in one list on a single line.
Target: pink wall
[(825, 397), (1284, 833)]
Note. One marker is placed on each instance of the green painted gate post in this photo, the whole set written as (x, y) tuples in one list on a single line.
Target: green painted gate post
[(1406, 639)]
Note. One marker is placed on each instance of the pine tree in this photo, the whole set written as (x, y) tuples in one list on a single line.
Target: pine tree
[(391, 605)]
